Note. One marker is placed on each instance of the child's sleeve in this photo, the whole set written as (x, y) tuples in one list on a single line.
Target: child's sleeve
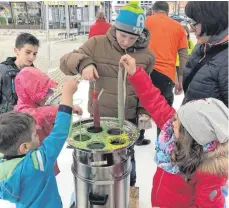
[(150, 97), (46, 155)]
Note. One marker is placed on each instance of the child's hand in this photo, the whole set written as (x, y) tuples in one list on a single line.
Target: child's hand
[(78, 110), (90, 73), (70, 86), (128, 63)]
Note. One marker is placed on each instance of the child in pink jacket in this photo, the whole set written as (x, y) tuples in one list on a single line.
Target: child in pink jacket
[(33, 88)]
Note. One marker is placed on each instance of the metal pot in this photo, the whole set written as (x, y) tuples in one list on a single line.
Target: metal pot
[(102, 177)]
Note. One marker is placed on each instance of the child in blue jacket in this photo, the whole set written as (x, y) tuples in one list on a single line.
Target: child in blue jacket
[(27, 175)]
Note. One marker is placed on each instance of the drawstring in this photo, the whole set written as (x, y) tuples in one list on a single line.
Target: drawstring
[(205, 47)]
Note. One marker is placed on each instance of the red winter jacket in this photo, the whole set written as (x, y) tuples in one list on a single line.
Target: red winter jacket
[(99, 28), (170, 190), (32, 88)]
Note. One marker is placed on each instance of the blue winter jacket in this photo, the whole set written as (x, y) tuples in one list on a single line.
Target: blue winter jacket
[(30, 182)]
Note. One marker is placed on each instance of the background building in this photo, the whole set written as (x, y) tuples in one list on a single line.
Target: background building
[(32, 15), (175, 7)]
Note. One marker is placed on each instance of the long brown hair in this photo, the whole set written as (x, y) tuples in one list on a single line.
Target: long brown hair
[(187, 154)]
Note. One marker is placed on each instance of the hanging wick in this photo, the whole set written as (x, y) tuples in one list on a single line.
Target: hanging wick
[(101, 92), (94, 84)]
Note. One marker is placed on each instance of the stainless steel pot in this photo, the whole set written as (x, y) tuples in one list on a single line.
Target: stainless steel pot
[(102, 177)]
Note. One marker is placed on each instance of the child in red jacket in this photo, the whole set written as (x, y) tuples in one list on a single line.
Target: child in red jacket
[(33, 88), (192, 149)]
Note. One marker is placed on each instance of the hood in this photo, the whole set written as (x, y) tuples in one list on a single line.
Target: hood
[(216, 161), (220, 38), (32, 86), (141, 43), (10, 61), (10, 180), (213, 43)]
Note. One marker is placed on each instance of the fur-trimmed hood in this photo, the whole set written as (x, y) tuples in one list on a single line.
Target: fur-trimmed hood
[(215, 162)]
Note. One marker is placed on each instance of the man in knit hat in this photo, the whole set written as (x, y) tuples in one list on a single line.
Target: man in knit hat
[(98, 59)]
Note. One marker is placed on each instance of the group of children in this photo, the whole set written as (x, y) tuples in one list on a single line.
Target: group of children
[(191, 151)]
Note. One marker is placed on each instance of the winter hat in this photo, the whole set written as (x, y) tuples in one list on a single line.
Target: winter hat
[(205, 120), (131, 19)]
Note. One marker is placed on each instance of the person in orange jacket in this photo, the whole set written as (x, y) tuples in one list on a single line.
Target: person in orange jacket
[(100, 27)]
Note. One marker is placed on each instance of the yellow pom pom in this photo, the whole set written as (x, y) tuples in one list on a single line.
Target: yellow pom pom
[(133, 6), (134, 3)]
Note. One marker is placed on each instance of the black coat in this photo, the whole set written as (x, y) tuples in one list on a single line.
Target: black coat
[(8, 96), (212, 78)]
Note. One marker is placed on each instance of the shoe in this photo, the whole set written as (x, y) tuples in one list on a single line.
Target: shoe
[(70, 147), (144, 142), (141, 141)]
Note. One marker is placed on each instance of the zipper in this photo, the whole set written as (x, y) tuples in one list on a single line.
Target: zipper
[(159, 188)]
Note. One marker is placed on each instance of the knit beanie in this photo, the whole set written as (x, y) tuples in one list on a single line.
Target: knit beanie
[(205, 120), (131, 19)]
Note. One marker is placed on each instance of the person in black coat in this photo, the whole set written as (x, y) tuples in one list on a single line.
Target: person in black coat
[(206, 72)]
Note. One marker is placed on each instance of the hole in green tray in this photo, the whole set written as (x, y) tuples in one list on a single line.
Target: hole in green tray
[(115, 131), (117, 141), (93, 129), (83, 138), (96, 145)]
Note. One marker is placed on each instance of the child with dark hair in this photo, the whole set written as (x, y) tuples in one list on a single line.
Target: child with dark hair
[(26, 172), (26, 48), (33, 88), (191, 150)]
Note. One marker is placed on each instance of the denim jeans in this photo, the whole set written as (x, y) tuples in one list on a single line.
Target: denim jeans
[(133, 172)]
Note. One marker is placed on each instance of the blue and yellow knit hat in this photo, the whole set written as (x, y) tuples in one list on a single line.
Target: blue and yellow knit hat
[(131, 19)]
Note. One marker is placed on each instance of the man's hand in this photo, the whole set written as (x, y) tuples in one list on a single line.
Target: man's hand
[(90, 73), (128, 63), (178, 88), (144, 122)]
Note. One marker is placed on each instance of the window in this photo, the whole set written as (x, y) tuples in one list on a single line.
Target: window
[(34, 13), (19, 13)]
